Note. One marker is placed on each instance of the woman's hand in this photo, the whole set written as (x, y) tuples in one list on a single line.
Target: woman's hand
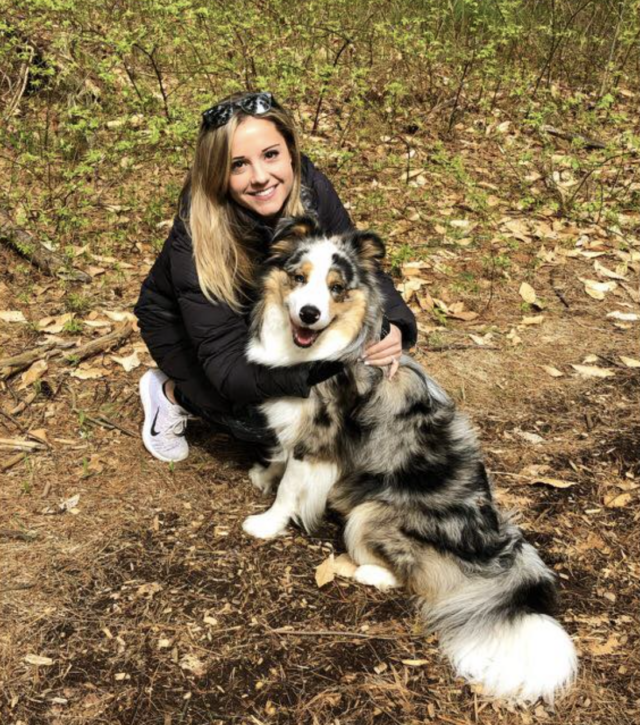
[(386, 352)]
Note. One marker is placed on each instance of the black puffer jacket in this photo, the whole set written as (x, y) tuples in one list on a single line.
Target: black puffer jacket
[(202, 346)]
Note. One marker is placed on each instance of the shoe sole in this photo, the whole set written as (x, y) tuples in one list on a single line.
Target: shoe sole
[(147, 438)]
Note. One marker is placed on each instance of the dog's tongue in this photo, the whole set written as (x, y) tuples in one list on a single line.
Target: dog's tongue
[(304, 336)]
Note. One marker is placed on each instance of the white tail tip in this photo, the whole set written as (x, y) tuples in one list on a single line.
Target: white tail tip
[(525, 660)]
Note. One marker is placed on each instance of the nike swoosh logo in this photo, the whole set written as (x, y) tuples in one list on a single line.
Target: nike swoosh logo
[(155, 432)]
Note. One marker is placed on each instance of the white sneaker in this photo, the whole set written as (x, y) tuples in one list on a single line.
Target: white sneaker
[(165, 422)]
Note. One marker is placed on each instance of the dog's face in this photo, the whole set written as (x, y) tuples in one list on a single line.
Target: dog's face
[(323, 289)]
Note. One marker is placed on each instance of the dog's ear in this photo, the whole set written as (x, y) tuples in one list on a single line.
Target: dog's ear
[(368, 246), (289, 232)]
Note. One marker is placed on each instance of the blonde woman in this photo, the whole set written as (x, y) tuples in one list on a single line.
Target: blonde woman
[(194, 306)]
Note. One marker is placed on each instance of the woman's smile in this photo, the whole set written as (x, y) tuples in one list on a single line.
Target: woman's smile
[(261, 171)]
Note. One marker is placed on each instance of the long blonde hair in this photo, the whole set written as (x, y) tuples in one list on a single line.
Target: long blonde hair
[(221, 252)]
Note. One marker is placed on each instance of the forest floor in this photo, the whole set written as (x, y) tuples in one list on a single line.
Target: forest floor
[(128, 591)]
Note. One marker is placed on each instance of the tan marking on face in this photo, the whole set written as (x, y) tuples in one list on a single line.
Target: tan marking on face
[(335, 277), (276, 287), (349, 314), (306, 269)]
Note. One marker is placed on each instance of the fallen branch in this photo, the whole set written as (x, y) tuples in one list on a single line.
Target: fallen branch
[(102, 344), (11, 365), (41, 257), (330, 633), (18, 534), (108, 424), (10, 462), (15, 444), (588, 143)]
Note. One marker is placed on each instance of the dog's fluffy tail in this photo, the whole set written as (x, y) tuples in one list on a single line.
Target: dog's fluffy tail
[(498, 633)]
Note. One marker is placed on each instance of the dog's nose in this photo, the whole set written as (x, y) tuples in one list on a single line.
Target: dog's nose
[(309, 314)]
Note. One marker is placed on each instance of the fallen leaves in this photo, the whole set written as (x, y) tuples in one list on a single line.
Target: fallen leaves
[(527, 293), (593, 371), (334, 566), (12, 316), (38, 660)]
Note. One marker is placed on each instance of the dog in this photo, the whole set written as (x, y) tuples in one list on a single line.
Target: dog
[(402, 467)]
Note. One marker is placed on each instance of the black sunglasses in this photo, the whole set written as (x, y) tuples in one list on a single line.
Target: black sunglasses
[(255, 104)]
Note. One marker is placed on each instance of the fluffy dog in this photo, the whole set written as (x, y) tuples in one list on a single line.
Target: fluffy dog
[(403, 467)]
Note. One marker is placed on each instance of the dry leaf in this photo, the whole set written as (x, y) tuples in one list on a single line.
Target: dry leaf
[(409, 288), (38, 660), (597, 290), (192, 664), (415, 663), (550, 370), (120, 316), (12, 316), (54, 325), (128, 363), (40, 434), (617, 501), (555, 482), (623, 316), (630, 362), (89, 373), (537, 320), (482, 341), (592, 371), (527, 293), (604, 272), (518, 229), (325, 573), (35, 372), (599, 650)]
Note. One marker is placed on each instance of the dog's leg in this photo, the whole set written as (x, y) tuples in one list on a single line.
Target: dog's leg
[(360, 523), (302, 495), (264, 478)]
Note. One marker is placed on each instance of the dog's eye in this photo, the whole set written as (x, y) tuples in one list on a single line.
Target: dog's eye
[(337, 289), (299, 278)]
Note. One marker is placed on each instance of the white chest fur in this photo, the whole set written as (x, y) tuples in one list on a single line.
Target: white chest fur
[(289, 418)]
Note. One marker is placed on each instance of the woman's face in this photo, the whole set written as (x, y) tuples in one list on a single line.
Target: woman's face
[(261, 172)]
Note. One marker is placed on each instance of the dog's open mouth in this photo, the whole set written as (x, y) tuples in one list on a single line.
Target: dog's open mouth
[(304, 336)]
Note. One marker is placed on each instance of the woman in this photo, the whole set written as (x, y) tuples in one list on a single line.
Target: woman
[(194, 306)]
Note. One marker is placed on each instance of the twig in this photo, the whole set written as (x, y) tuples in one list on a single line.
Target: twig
[(106, 342), (11, 365), (330, 633), (26, 245), (17, 587), (455, 346), (588, 143), (10, 462), (14, 444), (109, 424), (24, 77), (17, 534)]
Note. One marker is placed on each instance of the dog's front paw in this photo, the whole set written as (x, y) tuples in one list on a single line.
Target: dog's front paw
[(261, 478), (264, 526), (376, 576)]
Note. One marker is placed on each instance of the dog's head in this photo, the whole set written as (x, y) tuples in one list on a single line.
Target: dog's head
[(320, 297)]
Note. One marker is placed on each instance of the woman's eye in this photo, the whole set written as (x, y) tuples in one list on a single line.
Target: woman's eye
[(337, 289), (236, 165), (273, 154)]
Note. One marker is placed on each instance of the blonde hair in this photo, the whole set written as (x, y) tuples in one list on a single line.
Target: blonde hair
[(219, 233)]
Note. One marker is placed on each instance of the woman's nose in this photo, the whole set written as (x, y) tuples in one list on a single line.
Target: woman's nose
[(259, 174)]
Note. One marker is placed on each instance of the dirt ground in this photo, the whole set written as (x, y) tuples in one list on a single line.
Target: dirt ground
[(141, 601)]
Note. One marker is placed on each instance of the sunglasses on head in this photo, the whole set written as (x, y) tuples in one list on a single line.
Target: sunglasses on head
[(255, 104)]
